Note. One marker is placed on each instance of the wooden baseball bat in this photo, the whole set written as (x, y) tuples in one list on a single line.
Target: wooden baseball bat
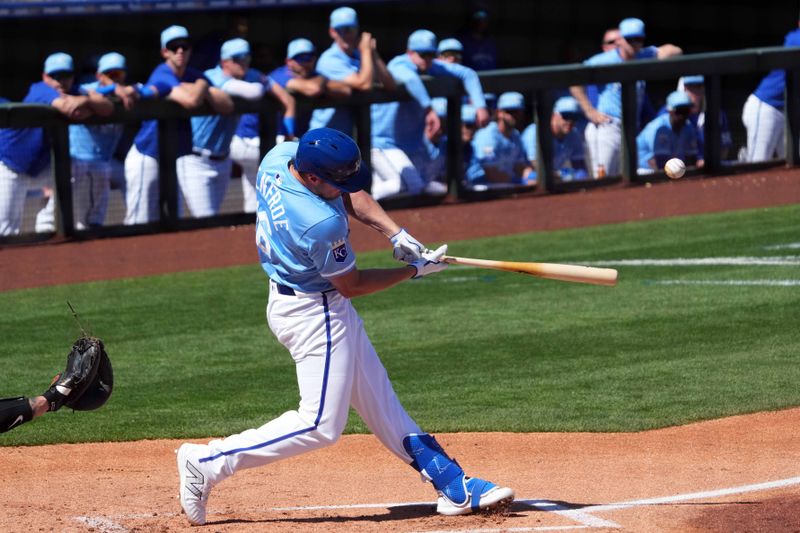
[(575, 273)]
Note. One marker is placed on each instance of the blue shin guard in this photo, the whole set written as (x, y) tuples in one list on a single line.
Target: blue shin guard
[(430, 460)]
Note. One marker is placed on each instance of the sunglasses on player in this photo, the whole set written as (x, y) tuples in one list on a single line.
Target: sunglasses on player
[(174, 46), (62, 75), (304, 58)]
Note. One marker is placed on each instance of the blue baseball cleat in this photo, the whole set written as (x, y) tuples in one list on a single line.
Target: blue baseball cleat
[(470, 495)]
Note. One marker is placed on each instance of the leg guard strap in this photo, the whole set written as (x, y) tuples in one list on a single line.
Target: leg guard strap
[(14, 412), (430, 460)]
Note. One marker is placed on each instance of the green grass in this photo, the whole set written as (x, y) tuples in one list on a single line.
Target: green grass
[(467, 349)]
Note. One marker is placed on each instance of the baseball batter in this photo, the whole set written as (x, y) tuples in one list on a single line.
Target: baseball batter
[(604, 132), (762, 114), (305, 192)]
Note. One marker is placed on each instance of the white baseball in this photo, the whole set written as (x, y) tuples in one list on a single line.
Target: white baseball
[(675, 168)]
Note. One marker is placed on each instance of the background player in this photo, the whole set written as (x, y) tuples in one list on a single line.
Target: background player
[(762, 114), (305, 192), (25, 152), (176, 80), (352, 60), (568, 148), (604, 133), (209, 167), (399, 155), (668, 136)]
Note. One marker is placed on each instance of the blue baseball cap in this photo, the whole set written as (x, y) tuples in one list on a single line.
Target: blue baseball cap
[(343, 16), (468, 115), (58, 62), (172, 33), (300, 46), (111, 61), (422, 41), (696, 79), (567, 107), (450, 45), (234, 48), (510, 101), (632, 28), (333, 157), (678, 99)]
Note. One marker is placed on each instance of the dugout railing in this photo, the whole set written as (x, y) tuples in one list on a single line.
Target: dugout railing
[(537, 82)]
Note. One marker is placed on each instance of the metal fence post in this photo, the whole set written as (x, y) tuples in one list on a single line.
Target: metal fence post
[(545, 173), (455, 149), (62, 175), (712, 148), (792, 115), (267, 127), (363, 116), (630, 119), (167, 173)]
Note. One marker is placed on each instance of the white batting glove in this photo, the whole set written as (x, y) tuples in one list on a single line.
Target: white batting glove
[(406, 248), (431, 262)]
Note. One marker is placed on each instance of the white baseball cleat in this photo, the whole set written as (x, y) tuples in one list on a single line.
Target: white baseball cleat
[(481, 495), (194, 483)]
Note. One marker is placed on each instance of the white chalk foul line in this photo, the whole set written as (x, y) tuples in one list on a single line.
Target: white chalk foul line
[(787, 246), (729, 282), (782, 260)]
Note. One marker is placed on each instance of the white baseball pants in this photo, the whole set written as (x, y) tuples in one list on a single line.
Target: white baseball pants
[(393, 173), (204, 182), (142, 189), (91, 184), (13, 190), (245, 152), (765, 126), (337, 367), (604, 142)]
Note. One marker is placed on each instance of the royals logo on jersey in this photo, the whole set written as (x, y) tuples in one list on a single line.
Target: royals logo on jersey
[(339, 250)]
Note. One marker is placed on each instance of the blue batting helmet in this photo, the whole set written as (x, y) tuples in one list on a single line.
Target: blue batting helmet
[(333, 157)]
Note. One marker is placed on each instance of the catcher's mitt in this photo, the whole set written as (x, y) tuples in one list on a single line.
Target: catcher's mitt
[(88, 374)]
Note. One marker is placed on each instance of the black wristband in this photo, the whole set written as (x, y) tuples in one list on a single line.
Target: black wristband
[(54, 399)]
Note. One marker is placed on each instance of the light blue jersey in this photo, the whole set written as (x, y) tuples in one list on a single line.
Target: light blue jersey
[(93, 143), (567, 152), (302, 239), (658, 141), (610, 99), (335, 64), (213, 133), (493, 149), (402, 124)]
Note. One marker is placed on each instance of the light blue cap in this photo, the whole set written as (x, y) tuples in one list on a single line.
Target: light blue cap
[(233, 48), (58, 62), (631, 27), (423, 41), (300, 46), (450, 45), (567, 105), (511, 100), (111, 61), (172, 33), (696, 79), (468, 114), (439, 106), (678, 99), (343, 16)]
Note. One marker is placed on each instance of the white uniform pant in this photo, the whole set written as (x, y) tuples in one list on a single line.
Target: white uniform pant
[(604, 142), (245, 152), (765, 126), (204, 183), (13, 191), (141, 186), (91, 183), (337, 367), (393, 173)]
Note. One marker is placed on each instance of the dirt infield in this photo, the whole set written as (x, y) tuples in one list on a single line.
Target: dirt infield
[(736, 474)]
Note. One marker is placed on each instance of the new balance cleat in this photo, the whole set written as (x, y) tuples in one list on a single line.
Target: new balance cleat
[(478, 495), (194, 483)]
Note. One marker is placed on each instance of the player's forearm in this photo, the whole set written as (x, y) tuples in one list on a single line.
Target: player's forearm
[(286, 99), (579, 93), (367, 210), (369, 281), (365, 73), (383, 75)]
